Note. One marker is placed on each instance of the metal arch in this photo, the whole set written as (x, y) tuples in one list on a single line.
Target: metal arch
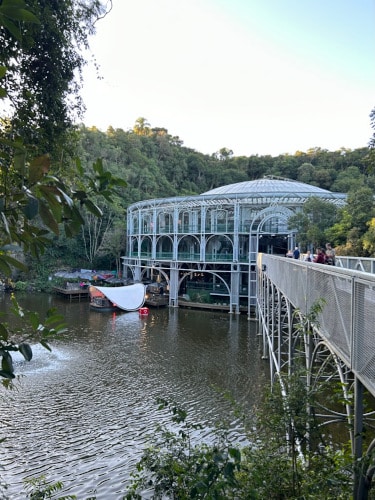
[(277, 319), (146, 237), (219, 235), (205, 271), (160, 270), (229, 198), (327, 370), (270, 212), (216, 237), (289, 342), (287, 336), (163, 237), (131, 268), (186, 236), (283, 326)]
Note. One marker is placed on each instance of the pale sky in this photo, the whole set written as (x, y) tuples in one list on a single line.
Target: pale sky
[(254, 76)]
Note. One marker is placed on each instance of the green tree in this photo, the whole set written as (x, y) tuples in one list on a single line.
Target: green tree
[(349, 179), (370, 160), (313, 221), (287, 455), (360, 206), (33, 202), (41, 51), (142, 127), (97, 232), (271, 466), (305, 172), (369, 238), (353, 223)]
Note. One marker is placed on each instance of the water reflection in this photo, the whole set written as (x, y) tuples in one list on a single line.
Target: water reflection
[(83, 412)]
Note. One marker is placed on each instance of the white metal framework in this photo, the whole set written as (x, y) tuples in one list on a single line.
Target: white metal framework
[(205, 247), (335, 347)]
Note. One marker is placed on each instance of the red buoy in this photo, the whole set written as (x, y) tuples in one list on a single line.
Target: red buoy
[(143, 311)]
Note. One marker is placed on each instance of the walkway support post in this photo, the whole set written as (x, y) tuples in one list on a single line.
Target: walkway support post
[(359, 478)]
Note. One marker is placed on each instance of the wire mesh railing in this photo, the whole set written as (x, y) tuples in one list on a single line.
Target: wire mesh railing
[(347, 319)]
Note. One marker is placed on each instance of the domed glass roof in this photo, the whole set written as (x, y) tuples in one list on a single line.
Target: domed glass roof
[(270, 186)]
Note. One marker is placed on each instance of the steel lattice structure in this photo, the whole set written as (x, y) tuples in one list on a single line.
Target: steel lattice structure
[(214, 238), (322, 318)]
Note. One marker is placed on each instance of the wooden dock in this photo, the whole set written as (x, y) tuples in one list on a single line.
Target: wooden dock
[(73, 293), (210, 307), (156, 300)]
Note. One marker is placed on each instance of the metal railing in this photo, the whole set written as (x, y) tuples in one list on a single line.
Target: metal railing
[(189, 257), (364, 264), (347, 320)]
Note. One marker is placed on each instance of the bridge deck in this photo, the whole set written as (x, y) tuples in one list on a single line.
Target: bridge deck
[(347, 320)]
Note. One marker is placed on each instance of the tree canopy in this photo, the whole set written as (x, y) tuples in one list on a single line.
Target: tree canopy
[(41, 57), (156, 164), (38, 59)]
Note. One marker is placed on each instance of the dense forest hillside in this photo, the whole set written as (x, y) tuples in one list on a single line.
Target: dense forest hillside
[(156, 164)]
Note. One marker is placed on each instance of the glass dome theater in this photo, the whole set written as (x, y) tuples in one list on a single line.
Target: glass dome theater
[(204, 247)]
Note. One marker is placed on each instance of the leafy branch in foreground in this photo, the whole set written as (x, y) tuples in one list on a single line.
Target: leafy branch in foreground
[(173, 467), (177, 468), (39, 489), (38, 40)]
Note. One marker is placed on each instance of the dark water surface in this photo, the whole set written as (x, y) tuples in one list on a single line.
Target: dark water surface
[(83, 413)]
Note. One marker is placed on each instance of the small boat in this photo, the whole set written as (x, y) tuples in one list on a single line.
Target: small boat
[(118, 298), (156, 296), (102, 304)]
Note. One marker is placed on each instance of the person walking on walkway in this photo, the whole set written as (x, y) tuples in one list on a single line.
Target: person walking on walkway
[(330, 255), (320, 257), (296, 253), (308, 257)]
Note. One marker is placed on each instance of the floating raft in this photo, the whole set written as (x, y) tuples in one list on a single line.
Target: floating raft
[(127, 298)]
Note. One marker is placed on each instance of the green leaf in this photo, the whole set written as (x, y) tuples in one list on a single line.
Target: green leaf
[(65, 197), (119, 182), (34, 319), (38, 168), (19, 161), (98, 166), (94, 209), (80, 195), (48, 219), (12, 144), (7, 363), (76, 218), (26, 351), (4, 268), (51, 195), (16, 10), (10, 26), (235, 454), (6, 374), (31, 209), (11, 261), (4, 334), (79, 167), (45, 344)]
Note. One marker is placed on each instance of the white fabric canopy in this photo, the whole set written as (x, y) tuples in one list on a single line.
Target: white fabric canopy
[(128, 298)]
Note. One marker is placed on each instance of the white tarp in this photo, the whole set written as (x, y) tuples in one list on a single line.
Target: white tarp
[(128, 298)]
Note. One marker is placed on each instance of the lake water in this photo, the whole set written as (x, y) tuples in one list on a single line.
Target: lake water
[(83, 413)]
